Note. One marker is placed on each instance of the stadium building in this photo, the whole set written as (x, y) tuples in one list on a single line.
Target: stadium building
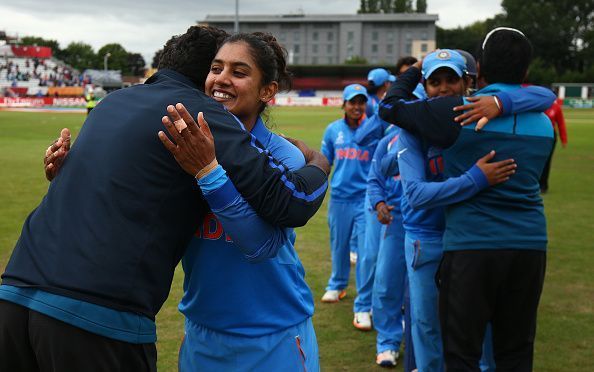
[(332, 39)]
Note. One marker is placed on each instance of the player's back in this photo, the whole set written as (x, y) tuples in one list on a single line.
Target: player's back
[(118, 217), (509, 215)]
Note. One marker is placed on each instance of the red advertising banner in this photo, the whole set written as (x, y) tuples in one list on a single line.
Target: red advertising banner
[(32, 51)]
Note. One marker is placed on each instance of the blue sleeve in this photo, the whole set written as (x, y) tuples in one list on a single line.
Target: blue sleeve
[(376, 182), (430, 119), (371, 131), (389, 165), (422, 194), (530, 98), (256, 239), (328, 146)]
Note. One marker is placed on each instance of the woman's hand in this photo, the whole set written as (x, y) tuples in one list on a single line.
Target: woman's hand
[(480, 109), (496, 172), (384, 215), (55, 154), (193, 145)]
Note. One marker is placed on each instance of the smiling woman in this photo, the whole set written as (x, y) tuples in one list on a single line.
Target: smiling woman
[(246, 73)]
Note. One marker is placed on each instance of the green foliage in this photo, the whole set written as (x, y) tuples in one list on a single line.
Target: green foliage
[(356, 60), (540, 73), (388, 6), (560, 31), (421, 6), (79, 55)]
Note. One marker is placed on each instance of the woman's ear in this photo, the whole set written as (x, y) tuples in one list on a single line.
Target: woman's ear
[(268, 92)]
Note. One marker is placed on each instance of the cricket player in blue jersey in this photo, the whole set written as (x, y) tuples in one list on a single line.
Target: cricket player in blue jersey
[(349, 182), (423, 194), (421, 169), (378, 81), (390, 271), (236, 262)]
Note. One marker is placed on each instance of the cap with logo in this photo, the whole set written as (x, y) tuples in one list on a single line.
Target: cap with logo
[(353, 90), (379, 76), (470, 62), (444, 58)]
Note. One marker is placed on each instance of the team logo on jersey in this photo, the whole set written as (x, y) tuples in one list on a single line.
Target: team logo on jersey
[(339, 138), (212, 229), (352, 154), (443, 55)]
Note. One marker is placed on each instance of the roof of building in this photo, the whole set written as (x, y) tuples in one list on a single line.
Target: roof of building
[(323, 18)]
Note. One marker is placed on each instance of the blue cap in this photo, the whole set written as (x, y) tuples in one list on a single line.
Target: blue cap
[(444, 58), (353, 90), (379, 76)]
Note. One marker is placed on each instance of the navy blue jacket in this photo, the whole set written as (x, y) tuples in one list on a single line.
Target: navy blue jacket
[(117, 219)]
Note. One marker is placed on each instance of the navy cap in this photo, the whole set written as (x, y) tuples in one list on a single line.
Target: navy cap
[(353, 90), (379, 76), (470, 62), (443, 58)]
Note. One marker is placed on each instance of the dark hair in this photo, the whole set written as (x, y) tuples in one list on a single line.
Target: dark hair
[(270, 57), (191, 53), (372, 88), (505, 57), (405, 61)]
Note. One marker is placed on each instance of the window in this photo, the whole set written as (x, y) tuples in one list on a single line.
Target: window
[(296, 60), (329, 49), (374, 36), (330, 60), (408, 36), (330, 36), (374, 48), (424, 35), (314, 60), (424, 47), (350, 36), (315, 36), (390, 36), (408, 48), (314, 48), (296, 49), (282, 36), (389, 48), (296, 35)]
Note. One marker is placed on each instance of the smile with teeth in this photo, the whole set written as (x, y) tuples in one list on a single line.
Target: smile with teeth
[(221, 95)]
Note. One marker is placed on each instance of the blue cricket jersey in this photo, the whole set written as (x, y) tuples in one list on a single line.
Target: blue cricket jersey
[(351, 161), (240, 288), (372, 105), (380, 186), (511, 214)]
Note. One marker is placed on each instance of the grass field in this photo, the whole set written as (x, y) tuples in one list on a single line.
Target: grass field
[(566, 317)]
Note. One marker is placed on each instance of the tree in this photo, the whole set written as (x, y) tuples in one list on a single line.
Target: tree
[(556, 28), (421, 6), (356, 60), (80, 56), (136, 64), (118, 59), (402, 6)]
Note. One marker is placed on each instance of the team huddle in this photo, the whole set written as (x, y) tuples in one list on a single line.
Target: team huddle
[(442, 225)]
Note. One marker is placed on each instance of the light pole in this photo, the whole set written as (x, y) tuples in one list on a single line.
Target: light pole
[(105, 57)]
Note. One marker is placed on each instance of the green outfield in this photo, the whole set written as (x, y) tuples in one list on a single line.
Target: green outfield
[(566, 317)]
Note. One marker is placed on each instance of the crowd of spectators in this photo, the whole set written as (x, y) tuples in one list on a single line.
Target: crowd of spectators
[(46, 71)]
